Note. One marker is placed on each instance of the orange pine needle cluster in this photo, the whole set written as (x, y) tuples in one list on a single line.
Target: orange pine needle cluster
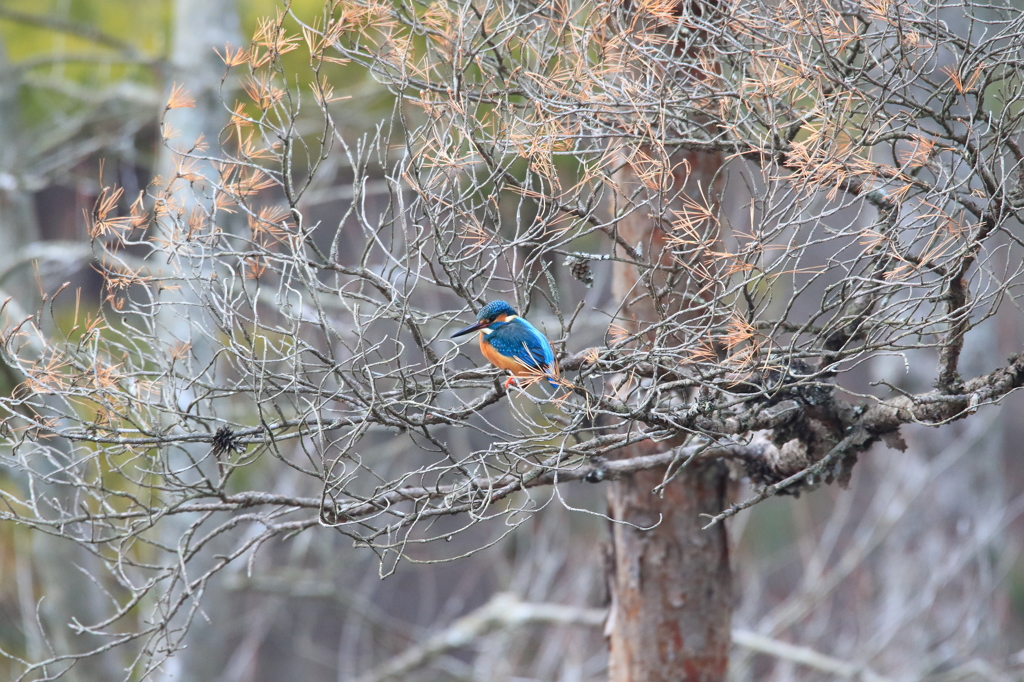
[(179, 98)]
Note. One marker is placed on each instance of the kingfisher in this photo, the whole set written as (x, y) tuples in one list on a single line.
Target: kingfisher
[(511, 343)]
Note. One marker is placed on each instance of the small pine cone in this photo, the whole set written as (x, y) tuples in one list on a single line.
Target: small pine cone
[(579, 267), (225, 440)]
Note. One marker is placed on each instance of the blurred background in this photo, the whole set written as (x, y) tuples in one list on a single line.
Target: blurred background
[(913, 573)]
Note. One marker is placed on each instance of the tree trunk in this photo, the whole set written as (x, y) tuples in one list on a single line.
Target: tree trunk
[(671, 584), (200, 27), (671, 587), (18, 220), (53, 589)]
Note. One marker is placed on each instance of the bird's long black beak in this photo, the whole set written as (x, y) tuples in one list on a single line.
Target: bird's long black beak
[(470, 328)]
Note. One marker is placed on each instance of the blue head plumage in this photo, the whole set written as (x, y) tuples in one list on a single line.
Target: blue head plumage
[(493, 309)]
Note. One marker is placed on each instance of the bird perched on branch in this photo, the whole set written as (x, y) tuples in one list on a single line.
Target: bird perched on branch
[(511, 343)]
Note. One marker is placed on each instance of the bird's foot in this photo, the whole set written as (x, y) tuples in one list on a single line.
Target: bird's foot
[(510, 381)]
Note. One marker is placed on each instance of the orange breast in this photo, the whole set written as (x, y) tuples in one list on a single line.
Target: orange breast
[(500, 361)]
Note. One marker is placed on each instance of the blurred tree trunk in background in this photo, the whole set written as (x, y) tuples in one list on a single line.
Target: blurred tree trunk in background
[(17, 213), (200, 27), (52, 591)]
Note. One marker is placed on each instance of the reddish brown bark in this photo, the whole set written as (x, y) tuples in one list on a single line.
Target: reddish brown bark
[(670, 585)]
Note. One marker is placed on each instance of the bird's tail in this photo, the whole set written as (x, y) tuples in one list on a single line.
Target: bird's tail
[(530, 375)]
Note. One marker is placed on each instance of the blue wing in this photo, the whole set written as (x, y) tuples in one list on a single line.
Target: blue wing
[(521, 340)]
